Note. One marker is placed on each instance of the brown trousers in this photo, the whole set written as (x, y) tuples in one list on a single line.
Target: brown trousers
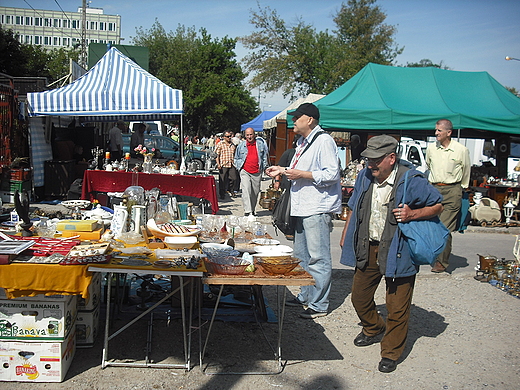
[(451, 201), (399, 292)]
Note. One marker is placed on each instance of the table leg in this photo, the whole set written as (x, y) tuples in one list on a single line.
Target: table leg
[(277, 352), (186, 336)]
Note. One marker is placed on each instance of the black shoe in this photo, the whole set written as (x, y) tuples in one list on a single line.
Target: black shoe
[(387, 365), (362, 340), (246, 214), (294, 303), (311, 314)]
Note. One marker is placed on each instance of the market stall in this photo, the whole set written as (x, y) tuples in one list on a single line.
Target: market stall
[(116, 88), (186, 185)]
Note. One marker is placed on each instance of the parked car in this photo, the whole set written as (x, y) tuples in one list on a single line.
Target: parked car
[(168, 149), (152, 128)]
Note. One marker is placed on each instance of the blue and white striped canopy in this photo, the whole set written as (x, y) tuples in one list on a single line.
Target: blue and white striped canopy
[(116, 88)]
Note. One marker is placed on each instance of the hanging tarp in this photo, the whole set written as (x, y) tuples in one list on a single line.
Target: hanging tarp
[(116, 88), (258, 122), (383, 97), (310, 98)]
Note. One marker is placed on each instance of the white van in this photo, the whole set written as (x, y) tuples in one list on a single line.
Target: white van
[(413, 151), (152, 127)]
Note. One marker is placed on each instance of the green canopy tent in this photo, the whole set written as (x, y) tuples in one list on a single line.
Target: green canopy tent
[(409, 101)]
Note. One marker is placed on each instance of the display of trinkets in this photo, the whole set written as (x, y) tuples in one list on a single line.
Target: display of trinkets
[(503, 274)]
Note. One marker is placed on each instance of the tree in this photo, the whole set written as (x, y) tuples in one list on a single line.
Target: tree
[(19, 60), (206, 71), (514, 91), (364, 35), (299, 60), (12, 57), (426, 63)]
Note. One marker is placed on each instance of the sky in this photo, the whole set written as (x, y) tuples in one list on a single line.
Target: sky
[(466, 35)]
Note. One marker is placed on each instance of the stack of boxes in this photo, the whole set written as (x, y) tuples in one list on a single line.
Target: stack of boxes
[(86, 229), (87, 323), (37, 337), (21, 181)]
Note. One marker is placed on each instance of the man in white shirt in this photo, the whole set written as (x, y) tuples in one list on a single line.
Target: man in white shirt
[(315, 196), (449, 165)]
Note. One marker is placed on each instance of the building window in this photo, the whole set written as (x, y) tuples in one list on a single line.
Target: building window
[(93, 25), (111, 27), (65, 41), (38, 40), (48, 22), (28, 21), (38, 22), (47, 41), (8, 19), (65, 23), (75, 24), (56, 23), (28, 40), (101, 26), (56, 41), (19, 20)]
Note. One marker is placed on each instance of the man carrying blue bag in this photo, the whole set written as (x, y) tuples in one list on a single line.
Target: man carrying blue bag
[(373, 244)]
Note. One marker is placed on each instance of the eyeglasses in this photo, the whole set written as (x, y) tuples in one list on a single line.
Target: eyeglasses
[(227, 136), (375, 162)]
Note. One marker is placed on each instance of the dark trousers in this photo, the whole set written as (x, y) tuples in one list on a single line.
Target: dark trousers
[(399, 293), (226, 180), (116, 155)]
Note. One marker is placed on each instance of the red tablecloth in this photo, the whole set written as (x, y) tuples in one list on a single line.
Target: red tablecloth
[(186, 185)]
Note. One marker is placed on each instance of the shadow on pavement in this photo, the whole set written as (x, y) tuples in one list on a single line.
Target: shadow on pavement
[(456, 262), (423, 323)]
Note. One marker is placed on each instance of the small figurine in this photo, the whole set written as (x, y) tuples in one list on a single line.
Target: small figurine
[(21, 205)]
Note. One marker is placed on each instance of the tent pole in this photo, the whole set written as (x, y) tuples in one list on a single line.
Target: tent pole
[(181, 140)]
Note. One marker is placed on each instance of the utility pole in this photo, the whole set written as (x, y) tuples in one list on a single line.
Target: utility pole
[(83, 54)]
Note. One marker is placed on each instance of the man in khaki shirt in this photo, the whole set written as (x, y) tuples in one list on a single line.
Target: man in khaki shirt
[(449, 165)]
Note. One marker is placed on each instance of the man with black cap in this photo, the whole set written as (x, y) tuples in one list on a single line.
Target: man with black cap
[(371, 242), (314, 172)]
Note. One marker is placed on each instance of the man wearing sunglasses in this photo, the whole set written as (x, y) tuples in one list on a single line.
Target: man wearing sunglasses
[(372, 244)]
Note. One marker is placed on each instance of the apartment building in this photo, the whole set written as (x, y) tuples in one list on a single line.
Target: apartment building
[(54, 29)]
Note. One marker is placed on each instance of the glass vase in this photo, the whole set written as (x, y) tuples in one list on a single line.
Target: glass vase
[(147, 163)]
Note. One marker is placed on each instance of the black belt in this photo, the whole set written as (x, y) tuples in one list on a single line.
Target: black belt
[(374, 242)]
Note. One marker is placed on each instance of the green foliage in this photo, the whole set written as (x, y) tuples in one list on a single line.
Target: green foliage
[(21, 60), (206, 70), (514, 91), (12, 58), (426, 63), (298, 60)]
